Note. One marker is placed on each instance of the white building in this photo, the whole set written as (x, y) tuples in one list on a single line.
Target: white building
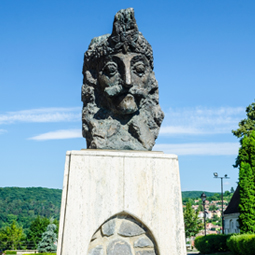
[(208, 215), (231, 214)]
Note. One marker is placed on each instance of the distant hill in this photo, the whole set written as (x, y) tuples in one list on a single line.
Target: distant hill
[(196, 194), (24, 204)]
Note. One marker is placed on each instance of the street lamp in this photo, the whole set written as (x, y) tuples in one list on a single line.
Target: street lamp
[(203, 197), (222, 215)]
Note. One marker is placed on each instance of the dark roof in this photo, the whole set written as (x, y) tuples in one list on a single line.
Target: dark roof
[(234, 202)]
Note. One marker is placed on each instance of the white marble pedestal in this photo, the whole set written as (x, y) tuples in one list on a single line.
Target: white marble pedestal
[(138, 191)]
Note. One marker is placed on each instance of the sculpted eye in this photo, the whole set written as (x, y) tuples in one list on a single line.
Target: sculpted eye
[(110, 68), (139, 68)]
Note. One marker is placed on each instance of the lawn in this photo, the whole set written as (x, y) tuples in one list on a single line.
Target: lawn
[(219, 253)]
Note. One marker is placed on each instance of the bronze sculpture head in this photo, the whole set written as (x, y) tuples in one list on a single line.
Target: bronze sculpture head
[(120, 92)]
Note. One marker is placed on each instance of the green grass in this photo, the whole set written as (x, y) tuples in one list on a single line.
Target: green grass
[(41, 253), (219, 253)]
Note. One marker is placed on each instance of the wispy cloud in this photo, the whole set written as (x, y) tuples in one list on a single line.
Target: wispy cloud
[(2, 131), (59, 134), (42, 115), (201, 120), (199, 148)]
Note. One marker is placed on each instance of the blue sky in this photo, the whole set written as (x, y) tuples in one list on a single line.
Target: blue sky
[(204, 59)]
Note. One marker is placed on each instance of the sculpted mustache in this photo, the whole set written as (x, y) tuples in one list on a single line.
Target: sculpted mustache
[(133, 90), (120, 90)]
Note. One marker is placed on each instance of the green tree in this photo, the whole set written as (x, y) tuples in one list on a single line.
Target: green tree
[(246, 163), (212, 207), (214, 197), (232, 190), (37, 228), (49, 239), (191, 221), (11, 236), (216, 218), (226, 193), (248, 124)]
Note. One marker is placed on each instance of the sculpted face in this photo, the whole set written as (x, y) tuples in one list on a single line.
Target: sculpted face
[(123, 80)]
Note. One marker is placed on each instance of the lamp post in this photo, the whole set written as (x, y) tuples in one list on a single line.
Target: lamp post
[(203, 197), (222, 215)]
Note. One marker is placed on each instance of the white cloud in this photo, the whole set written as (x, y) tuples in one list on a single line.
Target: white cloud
[(42, 115), (201, 121), (199, 148), (184, 121), (59, 134), (2, 131), (177, 130)]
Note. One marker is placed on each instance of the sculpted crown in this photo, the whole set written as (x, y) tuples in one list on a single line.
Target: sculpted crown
[(125, 38)]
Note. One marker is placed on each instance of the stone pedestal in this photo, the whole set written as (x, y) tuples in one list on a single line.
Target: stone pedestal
[(121, 202)]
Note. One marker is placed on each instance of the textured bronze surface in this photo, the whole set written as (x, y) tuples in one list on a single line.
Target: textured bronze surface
[(120, 93)]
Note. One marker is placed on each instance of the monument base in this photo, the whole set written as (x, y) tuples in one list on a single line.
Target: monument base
[(121, 202)]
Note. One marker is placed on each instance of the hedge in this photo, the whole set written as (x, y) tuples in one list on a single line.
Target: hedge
[(10, 252), (212, 243), (242, 244)]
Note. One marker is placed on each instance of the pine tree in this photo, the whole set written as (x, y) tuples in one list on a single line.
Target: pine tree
[(191, 221), (49, 239)]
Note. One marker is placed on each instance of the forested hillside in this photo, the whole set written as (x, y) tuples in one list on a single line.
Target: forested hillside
[(196, 194), (24, 204)]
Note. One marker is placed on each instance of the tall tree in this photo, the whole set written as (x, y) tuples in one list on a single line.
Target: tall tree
[(11, 236), (246, 161), (191, 221)]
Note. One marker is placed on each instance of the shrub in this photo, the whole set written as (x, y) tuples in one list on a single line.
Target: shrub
[(212, 243), (10, 252), (242, 244), (232, 244)]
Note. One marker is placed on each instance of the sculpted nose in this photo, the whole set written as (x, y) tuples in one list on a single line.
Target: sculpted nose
[(127, 77)]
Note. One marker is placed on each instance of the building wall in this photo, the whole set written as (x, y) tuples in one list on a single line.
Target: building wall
[(231, 223)]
